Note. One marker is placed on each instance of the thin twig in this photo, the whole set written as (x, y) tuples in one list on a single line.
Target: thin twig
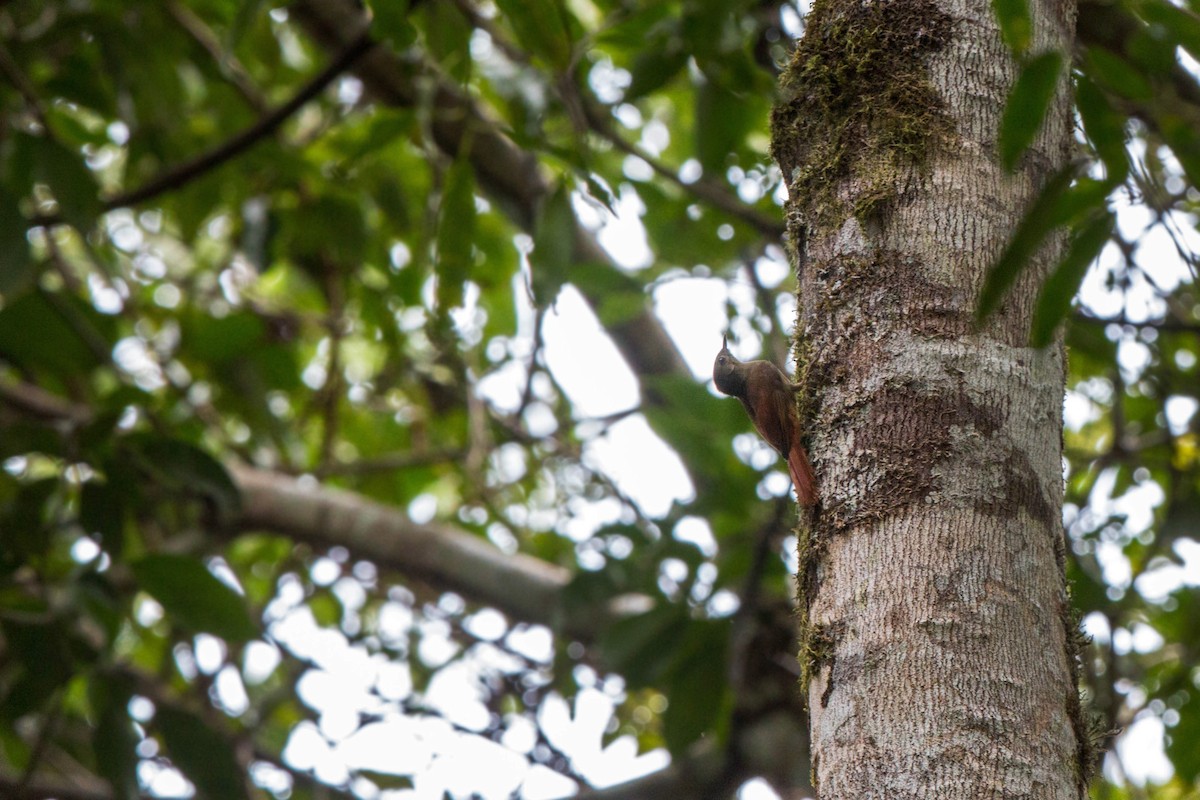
[(206, 162)]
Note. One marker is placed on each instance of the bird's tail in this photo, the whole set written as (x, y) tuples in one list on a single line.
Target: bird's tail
[(802, 476)]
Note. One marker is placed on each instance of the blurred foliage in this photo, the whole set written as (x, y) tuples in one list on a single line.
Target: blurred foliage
[(349, 297)]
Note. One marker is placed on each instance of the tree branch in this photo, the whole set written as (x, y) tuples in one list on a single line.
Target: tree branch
[(525, 587), (185, 172)]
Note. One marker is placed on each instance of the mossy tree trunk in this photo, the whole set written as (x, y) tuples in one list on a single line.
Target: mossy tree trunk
[(938, 641)]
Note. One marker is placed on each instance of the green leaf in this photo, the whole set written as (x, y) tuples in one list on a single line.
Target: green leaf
[(1054, 301), (722, 120), (1150, 53), (618, 306), (44, 661), (542, 28), (696, 685), (1104, 127), (1177, 24), (59, 346), (182, 467), (1016, 28), (1027, 105), (639, 28), (16, 266), (553, 253), (73, 184), (332, 227), (1116, 75), (102, 514), (326, 609), (194, 597), (389, 18), (72, 128), (23, 520), (247, 14), (1184, 140), (1183, 746), (203, 755), (699, 427), (641, 647), (455, 232), (100, 601), (655, 66), (221, 339), (447, 35), (1032, 230), (114, 741), (599, 191)]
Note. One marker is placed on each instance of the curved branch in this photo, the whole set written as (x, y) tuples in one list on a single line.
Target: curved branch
[(525, 587), (187, 171), (358, 46)]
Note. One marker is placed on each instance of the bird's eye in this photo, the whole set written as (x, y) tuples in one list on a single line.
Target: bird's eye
[(721, 360)]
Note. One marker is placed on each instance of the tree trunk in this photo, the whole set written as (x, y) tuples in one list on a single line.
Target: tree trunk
[(938, 641)]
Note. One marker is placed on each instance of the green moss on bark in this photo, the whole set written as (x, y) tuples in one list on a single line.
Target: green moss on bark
[(858, 108), (818, 643)]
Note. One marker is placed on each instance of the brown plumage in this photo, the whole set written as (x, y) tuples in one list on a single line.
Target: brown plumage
[(769, 399)]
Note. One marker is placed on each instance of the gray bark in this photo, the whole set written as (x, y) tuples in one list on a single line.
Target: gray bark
[(937, 633)]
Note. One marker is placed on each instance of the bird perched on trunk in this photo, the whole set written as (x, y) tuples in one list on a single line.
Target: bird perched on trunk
[(769, 398)]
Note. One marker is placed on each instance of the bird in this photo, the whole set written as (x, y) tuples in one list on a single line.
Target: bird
[(769, 398)]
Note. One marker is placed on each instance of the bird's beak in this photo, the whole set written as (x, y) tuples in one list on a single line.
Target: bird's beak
[(724, 342)]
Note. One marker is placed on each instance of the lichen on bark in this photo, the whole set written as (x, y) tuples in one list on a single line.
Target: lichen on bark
[(858, 104)]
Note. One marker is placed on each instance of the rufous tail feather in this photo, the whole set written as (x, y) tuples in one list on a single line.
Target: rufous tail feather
[(802, 476)]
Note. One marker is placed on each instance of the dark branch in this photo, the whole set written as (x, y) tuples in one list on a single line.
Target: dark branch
[(206, 162)]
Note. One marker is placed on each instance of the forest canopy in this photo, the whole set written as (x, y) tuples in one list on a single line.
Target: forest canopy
[(366, 348)]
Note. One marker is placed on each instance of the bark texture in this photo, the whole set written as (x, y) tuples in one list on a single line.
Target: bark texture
[(937, 635)]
